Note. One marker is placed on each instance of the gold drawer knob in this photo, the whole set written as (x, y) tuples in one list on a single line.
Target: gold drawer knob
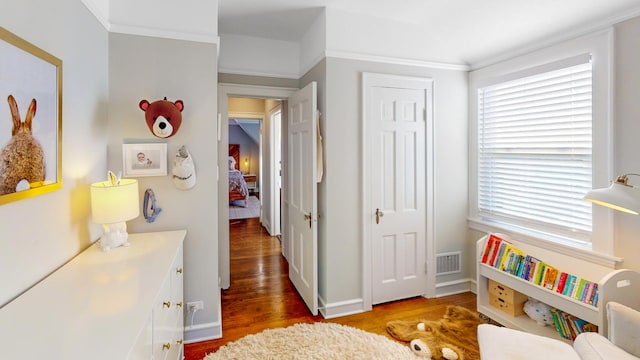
[(166, 346), (179, 270), (179, 342), (167, 304), (179, 304)]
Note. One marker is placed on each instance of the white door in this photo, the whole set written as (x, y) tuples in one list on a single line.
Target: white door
[(301, 192), (396, 120)]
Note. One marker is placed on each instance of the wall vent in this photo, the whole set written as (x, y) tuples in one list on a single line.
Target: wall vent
[(448, 263)]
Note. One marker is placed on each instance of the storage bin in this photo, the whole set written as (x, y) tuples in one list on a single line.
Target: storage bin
[(506, 299), (512, 309), (506, 293)]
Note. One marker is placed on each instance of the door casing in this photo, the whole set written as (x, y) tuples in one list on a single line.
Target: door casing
[(374, 79)]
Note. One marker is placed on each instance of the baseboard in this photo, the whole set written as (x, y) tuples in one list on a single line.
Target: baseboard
[(342, 308), (455, 287), (202, 332)]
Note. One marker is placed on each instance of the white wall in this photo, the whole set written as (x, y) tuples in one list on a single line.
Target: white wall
[(152, 68), (370, 35), (314, 43), (187, 20), (248, 55), (39, 234)]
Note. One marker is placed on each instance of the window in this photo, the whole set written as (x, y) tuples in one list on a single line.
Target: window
[(532, 190), (535, 150)]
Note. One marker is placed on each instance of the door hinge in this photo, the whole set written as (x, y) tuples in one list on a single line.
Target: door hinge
[(426, 267)]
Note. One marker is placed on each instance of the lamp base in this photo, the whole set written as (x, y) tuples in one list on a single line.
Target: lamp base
[(115, 235)]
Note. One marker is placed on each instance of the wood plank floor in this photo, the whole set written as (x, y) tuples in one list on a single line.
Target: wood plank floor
[(261, 296)]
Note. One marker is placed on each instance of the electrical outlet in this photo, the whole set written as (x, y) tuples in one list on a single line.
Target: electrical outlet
[(195, 305)]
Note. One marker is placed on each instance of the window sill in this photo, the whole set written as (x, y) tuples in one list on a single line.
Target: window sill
[(574, 249)]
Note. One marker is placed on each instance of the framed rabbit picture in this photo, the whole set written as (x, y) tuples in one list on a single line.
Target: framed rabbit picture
[(30, 119)]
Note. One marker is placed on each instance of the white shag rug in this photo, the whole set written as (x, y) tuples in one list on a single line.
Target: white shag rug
[(324, 341)]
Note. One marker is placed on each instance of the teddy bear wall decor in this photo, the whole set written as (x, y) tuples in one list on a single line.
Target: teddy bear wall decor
[(163, 117)]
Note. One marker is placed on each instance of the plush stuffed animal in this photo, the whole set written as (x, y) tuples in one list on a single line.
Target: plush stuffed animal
[(163, 117), (538, 311), (454, 337)]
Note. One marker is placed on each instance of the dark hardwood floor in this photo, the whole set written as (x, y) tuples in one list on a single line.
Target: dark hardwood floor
[(261, 296)]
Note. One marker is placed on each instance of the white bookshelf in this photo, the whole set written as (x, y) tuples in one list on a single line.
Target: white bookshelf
[(614, 285)]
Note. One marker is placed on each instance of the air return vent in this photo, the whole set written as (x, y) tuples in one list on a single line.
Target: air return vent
[(448, 263)]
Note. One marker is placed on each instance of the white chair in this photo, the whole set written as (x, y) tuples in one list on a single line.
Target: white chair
[(623, 342)]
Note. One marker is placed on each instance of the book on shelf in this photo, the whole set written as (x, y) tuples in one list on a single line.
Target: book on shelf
[(504, 256), (562, 281), (495, 249), (569, 326), (488, 249)]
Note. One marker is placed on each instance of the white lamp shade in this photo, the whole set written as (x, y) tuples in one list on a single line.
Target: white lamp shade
[(618, 196), (114, 203)]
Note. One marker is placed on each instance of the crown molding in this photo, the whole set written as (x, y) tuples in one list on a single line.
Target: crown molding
[(161, 33), (395, 61), (231, 71), (147, 31)]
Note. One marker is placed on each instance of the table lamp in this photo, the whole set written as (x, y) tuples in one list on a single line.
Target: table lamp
[(619, 196), (113, 202)]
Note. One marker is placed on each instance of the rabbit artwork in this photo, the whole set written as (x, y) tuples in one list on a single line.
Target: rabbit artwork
[(22, 159)]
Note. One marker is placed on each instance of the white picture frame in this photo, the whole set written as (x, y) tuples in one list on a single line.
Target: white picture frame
[(140, 160)]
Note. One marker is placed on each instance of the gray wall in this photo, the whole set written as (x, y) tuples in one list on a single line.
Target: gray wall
[(41, 233), (152, 68), (626, 131)]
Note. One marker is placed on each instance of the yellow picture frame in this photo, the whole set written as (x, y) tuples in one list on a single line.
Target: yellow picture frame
[(30, 119)]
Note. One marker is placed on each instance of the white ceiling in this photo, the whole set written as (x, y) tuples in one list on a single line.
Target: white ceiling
[(470, 30)]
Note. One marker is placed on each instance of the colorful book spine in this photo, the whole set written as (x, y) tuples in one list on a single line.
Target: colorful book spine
[(498, 258), (587, 294), (562, 281), (595, 298), (504, 257), (550, 278), (539, 272), (571, 283), (494, 254), (488, 249), (576, 288), (569, 326)]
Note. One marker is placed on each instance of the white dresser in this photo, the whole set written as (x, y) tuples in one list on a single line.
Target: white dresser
[(124, 304)]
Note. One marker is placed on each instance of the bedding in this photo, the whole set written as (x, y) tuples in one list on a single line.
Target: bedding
[(237, 187)]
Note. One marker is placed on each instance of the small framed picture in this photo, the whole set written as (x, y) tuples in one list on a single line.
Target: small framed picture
[(144, 159)]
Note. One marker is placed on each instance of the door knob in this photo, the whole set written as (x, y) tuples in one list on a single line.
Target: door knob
[(379, 214), (308, 217)]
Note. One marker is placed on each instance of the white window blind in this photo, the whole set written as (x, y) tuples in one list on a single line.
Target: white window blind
[(535, 151)]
